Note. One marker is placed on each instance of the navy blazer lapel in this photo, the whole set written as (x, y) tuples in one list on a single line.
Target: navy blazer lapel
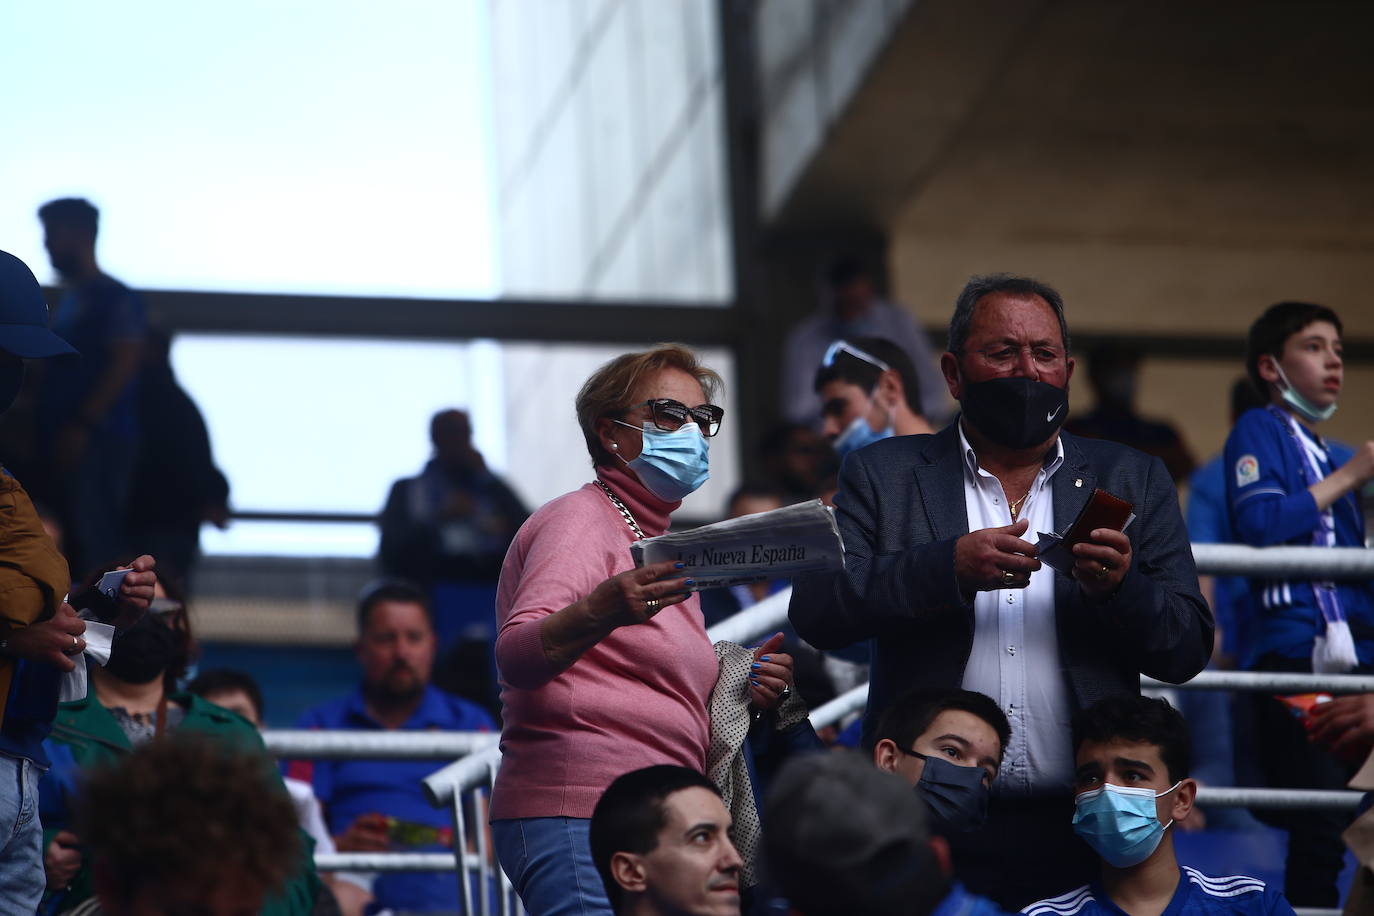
[(1072, 485), (940, 485)]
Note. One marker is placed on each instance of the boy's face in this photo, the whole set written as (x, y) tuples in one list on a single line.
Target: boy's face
[(1311, 360), (841, 402), (1131, 764), (955, 735)]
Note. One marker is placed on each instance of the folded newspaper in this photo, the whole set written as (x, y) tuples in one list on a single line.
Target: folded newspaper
[(767, 545)]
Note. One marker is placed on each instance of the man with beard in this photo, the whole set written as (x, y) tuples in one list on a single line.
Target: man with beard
[(379, 805), (88, 414), (941, 573)]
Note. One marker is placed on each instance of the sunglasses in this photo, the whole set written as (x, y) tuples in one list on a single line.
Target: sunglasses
[(670, 416), (841, 346)]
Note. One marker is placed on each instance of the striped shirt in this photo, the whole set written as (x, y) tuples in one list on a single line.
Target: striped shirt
[(1196, 895)]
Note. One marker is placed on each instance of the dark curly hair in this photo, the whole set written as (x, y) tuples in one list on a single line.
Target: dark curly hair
[(1143, 719), (189, 809)]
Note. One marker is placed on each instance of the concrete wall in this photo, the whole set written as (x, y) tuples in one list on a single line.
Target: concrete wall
[(609, 149), (1173, 168)]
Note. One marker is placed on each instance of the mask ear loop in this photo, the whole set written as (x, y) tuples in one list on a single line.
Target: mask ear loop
[(1166, 792)]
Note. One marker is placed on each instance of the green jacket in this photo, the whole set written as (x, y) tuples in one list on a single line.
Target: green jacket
[(85, 735)]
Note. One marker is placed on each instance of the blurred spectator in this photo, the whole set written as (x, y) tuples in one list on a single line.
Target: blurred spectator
[(185, 825), (88, 422), (1285, 484), (1132, 756), (868, 391), (719, 603), (40, 633), (661, 841), (379, 805), (1209, 522), (798, 461), (852, 309), (133, 702), (176, 485), (1114, 373), (949, 742), (847, 839), (448, 529), (1211, 715), (238, 692)]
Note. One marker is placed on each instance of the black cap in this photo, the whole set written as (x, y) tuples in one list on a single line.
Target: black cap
[(24, 314)]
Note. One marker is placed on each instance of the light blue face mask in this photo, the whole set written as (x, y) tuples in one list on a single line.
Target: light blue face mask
[(1119, 823), (858, 434), (671, 465), (1304, 408)]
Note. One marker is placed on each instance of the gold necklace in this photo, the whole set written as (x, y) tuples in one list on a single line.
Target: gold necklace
[(1015, 504)]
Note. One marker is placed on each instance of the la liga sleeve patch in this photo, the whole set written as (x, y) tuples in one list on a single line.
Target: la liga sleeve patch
[(1247, 470)]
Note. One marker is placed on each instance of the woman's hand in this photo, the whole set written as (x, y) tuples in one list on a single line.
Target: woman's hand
[(771, 674), (637, 595), (623, 600)]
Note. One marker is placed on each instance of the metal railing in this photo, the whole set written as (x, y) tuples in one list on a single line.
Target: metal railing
[(462, 786)]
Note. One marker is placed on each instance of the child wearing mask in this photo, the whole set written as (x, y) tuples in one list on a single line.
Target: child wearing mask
[(1131, 758), (1285, 484)]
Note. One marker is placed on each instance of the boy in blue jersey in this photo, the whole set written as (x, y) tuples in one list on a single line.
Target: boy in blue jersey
[(1287, 485), (1132, 756)]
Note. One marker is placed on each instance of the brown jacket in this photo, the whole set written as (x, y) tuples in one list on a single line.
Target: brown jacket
[(33, 575)]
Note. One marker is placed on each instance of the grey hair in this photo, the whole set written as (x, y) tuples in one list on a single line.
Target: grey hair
[(982, 285)]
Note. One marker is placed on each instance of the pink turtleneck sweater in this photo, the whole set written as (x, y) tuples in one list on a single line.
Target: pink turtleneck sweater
[(635, 699)]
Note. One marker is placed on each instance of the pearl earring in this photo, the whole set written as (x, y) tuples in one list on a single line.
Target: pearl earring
[(615, 446)]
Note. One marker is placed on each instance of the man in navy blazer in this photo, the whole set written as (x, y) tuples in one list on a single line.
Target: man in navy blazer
[(937, 574)]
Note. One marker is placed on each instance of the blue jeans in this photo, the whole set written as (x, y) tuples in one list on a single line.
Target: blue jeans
[(21, 855), (549, 861)]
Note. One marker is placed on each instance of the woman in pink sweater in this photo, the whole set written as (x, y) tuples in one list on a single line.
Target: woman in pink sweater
[(604, 668)]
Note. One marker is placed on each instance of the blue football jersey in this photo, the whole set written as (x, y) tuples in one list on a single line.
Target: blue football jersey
[(1197, 895)]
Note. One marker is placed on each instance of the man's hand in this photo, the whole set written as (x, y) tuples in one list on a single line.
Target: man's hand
[(55, 641), (136, 591), (62, 860), (367, 833), (1345, 726), (983, 559), (1100, 563)]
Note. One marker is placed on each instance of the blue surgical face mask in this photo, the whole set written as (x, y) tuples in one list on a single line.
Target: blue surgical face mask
[(671, 465), (1120, 823), (858, 434), (1304, 408)]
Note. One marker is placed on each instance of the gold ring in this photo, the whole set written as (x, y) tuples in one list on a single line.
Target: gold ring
[(1008, 577), (75, 642), (651, 605)]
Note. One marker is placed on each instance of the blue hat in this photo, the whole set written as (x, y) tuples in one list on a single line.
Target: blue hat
[(24, 314)]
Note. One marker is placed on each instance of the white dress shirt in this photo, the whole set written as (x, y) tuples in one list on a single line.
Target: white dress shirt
[(1015, 656)]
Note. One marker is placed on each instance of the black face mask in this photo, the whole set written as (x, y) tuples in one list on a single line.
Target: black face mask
[(1015, 412), (11, 380), (955, 795), (141, 653)]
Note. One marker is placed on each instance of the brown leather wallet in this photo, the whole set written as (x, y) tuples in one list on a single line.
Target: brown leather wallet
[(1102, 510)]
